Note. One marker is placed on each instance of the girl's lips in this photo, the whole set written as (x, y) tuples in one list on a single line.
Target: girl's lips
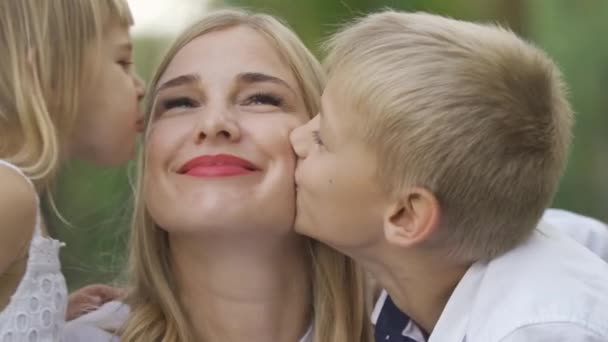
[(139, 125)]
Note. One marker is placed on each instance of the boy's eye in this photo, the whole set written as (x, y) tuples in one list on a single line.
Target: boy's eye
[(317, 138), (179, 102), (264, 99)]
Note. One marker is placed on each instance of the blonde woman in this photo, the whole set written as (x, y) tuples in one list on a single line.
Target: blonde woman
[(67, 90), (213, 251)]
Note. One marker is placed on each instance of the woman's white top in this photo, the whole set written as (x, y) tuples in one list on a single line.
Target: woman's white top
[(94, 326)]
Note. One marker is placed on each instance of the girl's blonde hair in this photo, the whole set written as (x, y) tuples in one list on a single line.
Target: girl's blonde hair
[(339, 308), (43, 64)]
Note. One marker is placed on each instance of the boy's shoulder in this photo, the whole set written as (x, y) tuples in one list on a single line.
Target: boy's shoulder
[(587, 231), (547, 280), (549, 285)]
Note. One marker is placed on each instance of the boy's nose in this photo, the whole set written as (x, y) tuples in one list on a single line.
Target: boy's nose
[(299, 142)]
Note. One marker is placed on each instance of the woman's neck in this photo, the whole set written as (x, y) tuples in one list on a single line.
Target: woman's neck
[(244, 290)]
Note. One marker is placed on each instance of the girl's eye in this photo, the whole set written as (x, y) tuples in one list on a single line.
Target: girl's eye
[(317, 138), (126, 64), (179, 102), (264, 99)]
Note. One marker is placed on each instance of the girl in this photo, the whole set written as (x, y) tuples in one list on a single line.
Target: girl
[(67, 90)]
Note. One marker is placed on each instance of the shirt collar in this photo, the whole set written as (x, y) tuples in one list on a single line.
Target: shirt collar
[(390, 322), (452, 324), (308, 336), (393, 325)]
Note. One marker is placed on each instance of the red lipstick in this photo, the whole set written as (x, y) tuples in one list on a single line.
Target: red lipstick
[(219, 165)]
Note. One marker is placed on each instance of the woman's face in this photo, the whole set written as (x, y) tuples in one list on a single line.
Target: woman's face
[(219, 160)]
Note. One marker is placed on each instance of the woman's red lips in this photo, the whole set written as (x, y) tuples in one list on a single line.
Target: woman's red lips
[(219, 165)]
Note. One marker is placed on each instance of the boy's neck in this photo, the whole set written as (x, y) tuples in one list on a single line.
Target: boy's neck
[(420, 285), (244, 290)]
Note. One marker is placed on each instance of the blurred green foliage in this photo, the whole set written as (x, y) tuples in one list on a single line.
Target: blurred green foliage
[(96, 201)]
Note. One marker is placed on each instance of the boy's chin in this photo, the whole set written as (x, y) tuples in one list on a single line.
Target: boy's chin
[(302, 225), (305, 227)]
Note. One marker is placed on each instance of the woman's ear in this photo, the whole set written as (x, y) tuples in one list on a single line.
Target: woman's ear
[(411, 218)]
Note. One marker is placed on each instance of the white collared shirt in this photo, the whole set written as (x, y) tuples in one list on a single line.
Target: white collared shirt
[(548, 289), (587, 231)]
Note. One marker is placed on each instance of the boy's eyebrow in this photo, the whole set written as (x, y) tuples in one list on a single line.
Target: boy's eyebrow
[(255, 77), (179, 81)]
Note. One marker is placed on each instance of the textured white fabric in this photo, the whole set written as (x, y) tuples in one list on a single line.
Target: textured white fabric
[(36, 311)]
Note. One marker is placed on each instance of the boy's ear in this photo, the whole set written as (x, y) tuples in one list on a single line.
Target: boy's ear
[(412, 218)]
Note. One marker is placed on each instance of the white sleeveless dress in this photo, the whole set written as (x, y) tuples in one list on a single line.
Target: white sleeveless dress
[(36, 311)]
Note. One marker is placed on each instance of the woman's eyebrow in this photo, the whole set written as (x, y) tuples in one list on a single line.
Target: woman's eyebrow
[(255, 77), (179, 81)]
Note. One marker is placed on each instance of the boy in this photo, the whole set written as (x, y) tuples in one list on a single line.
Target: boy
[(439, 145)]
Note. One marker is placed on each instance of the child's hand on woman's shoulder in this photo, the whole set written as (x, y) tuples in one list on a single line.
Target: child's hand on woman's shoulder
[(91, 297)]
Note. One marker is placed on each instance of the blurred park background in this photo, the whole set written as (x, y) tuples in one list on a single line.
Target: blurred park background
[(97, 202)]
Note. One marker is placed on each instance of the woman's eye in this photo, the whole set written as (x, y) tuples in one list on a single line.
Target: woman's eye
[(317, 138), (179, 102), (264, 99)]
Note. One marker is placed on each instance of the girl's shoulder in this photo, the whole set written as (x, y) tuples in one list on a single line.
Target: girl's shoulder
[(18, 215)]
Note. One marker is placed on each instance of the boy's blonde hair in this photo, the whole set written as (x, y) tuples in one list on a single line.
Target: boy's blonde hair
[(44, 62), (468, 111), (339, 308)]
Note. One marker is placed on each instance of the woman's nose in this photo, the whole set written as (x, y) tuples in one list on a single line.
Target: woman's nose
[(218, 124)]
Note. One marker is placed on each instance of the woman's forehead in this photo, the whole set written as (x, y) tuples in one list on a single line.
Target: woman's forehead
[(226, 54)]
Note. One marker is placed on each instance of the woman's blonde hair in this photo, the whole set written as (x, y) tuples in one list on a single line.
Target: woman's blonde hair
[(339, 307), (43, 64)]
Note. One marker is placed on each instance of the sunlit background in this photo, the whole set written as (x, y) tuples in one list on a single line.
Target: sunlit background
[(96, 202)]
